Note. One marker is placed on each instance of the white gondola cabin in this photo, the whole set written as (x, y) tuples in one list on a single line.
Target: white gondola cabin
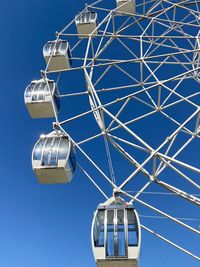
[(86, 23), (53, 159), (42, 98), (116, 234), (57, 55), (125, 6)]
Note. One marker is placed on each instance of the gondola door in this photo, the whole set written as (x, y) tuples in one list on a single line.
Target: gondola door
[(116, 234), (38, 93), (50, 154)]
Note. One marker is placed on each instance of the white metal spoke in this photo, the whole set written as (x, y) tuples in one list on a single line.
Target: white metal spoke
[(171, 243)]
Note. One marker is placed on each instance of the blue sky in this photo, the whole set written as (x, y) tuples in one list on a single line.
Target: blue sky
[(42, 225)]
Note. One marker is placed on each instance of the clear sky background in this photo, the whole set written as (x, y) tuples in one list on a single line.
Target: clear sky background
[(49, 226)]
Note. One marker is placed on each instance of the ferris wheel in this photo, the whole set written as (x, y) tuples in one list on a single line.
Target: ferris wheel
[(139, 116)]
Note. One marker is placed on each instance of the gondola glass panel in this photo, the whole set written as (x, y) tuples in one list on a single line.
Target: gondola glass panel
[(86, 23), (132, 229), (99, 229), (51, 157), (37, 155), (42, 99), (121, 250), (57, 55), (110, 244), (125, 6), (120, 228)]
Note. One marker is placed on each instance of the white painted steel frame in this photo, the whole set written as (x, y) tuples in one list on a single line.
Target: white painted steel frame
[(178, 56)]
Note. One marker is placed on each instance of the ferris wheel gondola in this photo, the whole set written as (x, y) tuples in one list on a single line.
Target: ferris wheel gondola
[(116, 234), (53, 159), (57, 55), (42, 99), (86, 23), (125, 6)]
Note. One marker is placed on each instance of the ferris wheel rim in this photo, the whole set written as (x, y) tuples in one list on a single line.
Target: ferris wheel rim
[(99, 109)]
